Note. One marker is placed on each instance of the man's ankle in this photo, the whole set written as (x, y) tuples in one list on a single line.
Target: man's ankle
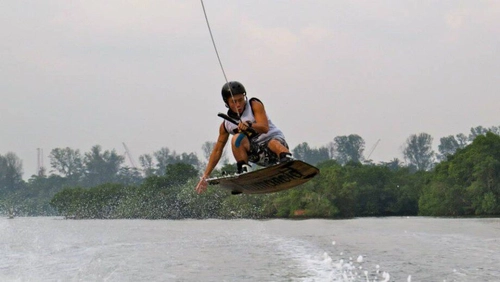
[(285, 157), (242, 167)]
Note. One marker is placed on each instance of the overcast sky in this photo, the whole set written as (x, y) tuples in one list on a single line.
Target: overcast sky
[(80, 73)]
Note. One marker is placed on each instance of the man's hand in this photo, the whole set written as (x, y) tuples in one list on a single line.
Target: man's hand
[(244, 125), (202, 185)]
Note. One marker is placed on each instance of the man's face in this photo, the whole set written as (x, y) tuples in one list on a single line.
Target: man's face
[(237, 103)]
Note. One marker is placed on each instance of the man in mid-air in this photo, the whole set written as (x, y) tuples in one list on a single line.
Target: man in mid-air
[(255, 138)]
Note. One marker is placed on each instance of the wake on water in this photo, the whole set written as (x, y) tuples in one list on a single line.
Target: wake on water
[(43, 249), (323, 268)]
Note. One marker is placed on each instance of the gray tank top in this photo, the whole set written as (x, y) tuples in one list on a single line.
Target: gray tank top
[(247, 115)]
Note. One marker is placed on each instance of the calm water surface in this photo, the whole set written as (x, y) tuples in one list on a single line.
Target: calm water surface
[(366, 249)]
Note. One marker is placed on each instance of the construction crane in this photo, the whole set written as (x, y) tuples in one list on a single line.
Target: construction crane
[(127, 152), (372, 149), (40, 170)]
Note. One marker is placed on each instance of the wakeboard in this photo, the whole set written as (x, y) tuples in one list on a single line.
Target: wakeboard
[(270, 179)]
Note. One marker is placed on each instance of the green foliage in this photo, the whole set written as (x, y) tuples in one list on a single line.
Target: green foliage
[(349, 148), (336, 188), (227, 169), (310, 155), (418, 151), (407, 190), (129, 176), (207, 205), (349, 191), (339, 191), (101, 166), (33, 197), (67, 162), (97, 202), (11, 172), (449, 145), (157, 197), (165, 157), (70, 169), (468, 183), (243, 206)]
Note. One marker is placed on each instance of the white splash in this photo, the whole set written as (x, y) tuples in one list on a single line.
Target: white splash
[(386, 277), (360, 259), (323, 267)]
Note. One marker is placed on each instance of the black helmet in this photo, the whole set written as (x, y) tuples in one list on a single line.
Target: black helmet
[(236, 88)]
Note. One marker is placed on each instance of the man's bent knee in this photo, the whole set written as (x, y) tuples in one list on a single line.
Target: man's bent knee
[(240, 140)]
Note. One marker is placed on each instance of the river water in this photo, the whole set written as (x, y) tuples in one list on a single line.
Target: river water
[(363, 249)]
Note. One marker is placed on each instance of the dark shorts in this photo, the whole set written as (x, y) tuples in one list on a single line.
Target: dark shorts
[(260, 153)]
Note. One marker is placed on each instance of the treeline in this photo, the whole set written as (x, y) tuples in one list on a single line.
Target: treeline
[(338, 192), (466, 184), (388, 188), (71, 168)]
